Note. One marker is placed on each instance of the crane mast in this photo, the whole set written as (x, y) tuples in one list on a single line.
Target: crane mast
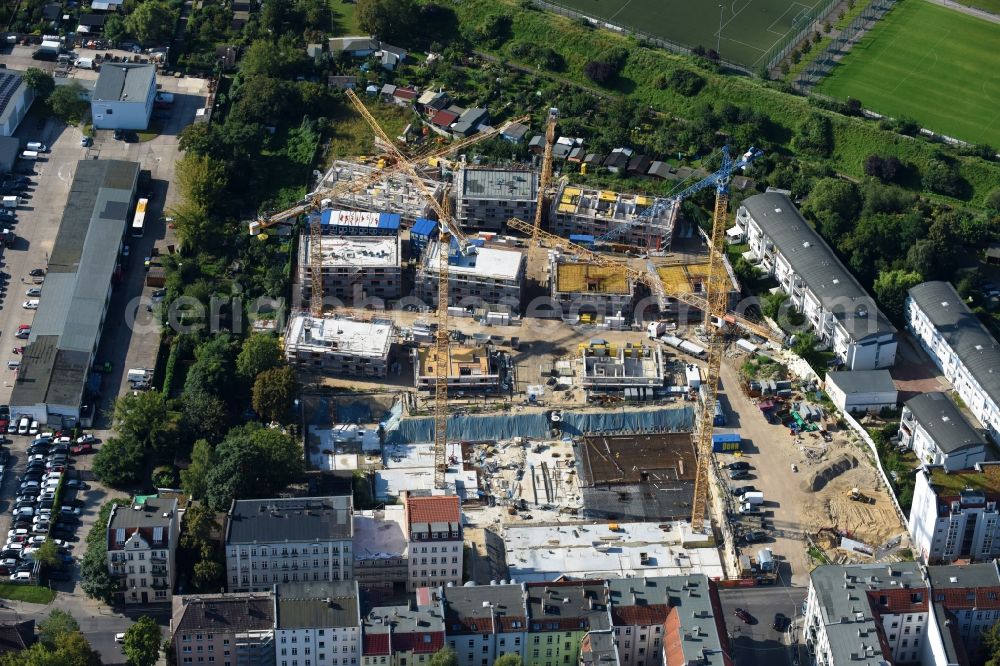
[(448, 231), (546, 178)]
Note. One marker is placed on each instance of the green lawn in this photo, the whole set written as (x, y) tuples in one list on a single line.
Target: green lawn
[(929, 63), (750, 29), (30, 593), (344, 20)]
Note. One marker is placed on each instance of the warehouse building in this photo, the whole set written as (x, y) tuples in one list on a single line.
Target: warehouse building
[(486, 277), (578, 210), (339, 346), (354, 267), (960, 346), (818, 285), (15, 100), (581, 289), (861, 390), (954, 514), (486, 198), (393, 194), (123, 97), (52, 382), (938, 433)]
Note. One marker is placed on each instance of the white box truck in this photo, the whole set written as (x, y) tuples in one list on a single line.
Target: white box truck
[(29, 155), (754, 498), (11, 202), (139, 374)]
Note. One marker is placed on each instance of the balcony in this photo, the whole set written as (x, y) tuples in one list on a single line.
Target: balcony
[(161, 560)]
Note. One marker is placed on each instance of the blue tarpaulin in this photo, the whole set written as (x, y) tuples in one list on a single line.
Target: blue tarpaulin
[(537, 425)]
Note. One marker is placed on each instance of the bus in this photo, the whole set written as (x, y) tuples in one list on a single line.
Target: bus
[(139, 221)]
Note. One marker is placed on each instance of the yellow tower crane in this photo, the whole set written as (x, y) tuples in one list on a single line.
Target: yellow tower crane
[(546, 178), (449, 230)]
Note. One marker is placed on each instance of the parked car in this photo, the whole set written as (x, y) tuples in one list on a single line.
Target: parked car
[(755, 536), (86, 142), (37, 272), (77, 483), (79, 449), (739, 464), (33, 429), (86, 439), (743, 615), (21, 577), (743, 490), (780, 623), (33, 292)]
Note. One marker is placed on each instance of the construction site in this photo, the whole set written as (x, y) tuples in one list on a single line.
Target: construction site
[(516, 373)]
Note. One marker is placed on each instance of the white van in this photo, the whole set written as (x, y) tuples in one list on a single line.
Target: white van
[(29, 155), (139, 374), (11, 202), (37, 147), (23, 425)]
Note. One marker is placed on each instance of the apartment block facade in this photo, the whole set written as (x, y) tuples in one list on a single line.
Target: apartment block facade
[(954, 515), (486, 198), (435, 536), (486, 277), (142, 540), (223, 629), (339, 346), (960, 346), (938, 433), (317, 624), (272, 541), (485, 622), (560, 614), (404, 635), (818, 285)]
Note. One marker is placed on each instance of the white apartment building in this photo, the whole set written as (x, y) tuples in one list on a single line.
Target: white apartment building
[(485, 277), (818, 285), (954, 514), (938, 433), (354, 268), (855, 391), (960, 346), (580, 288), (435, 535), (123, 96), (270, 541), (585, 211), (486, 198), (339, 346), (317, 624), (964, 605), (484, 622), (142, 539), (866, 615)]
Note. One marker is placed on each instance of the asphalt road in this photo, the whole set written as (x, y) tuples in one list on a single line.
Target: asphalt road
[(758, 643)]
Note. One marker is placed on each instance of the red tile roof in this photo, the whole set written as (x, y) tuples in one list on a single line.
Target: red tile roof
[(958, 598), (639, 616), (441, 509), (375, 644), (405, 93), (444, 118), (418, 642), (899, 601)]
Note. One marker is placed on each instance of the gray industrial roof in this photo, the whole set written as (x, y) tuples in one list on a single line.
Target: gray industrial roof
[(959, 576), (481, 602), (317, 604), (845, 611), (862, 381), (66, 327), (10, 88), (577, 604), (148, 514), (124, 82), (506, 184), (297, 519), (820, 269), (961, 329), (944, 422)]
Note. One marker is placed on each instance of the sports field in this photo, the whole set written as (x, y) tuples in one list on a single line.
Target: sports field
[(929, 63), (750, 28)]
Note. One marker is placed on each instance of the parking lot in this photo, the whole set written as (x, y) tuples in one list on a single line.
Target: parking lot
[(756, 641)]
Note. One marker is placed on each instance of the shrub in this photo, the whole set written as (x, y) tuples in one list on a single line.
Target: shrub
[(599, 72), (685, 82), (885, 169)]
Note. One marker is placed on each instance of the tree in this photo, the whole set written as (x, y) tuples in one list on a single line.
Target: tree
[(835, 205), (191, 220), (68, 102), (48, 554), (598, 71), (265, 58), (141, 416), (205, 417), (890, 289), (444, 657), (993, 199), (72, 650), (685, 82), (991, 644), (119, 462), (265, 100), (815, 136), (194, 478), (201, 180), (58, 624), (386, 19), (200, 526), (885, 169), (509, 659), (164, 476), (252, 461), (40, 82), (941, 177), (273, 392), (152, 21), (805, 345), (208, 572), (212, 371), (771, 304), (114, 27), (142, 642), (260, 352)]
